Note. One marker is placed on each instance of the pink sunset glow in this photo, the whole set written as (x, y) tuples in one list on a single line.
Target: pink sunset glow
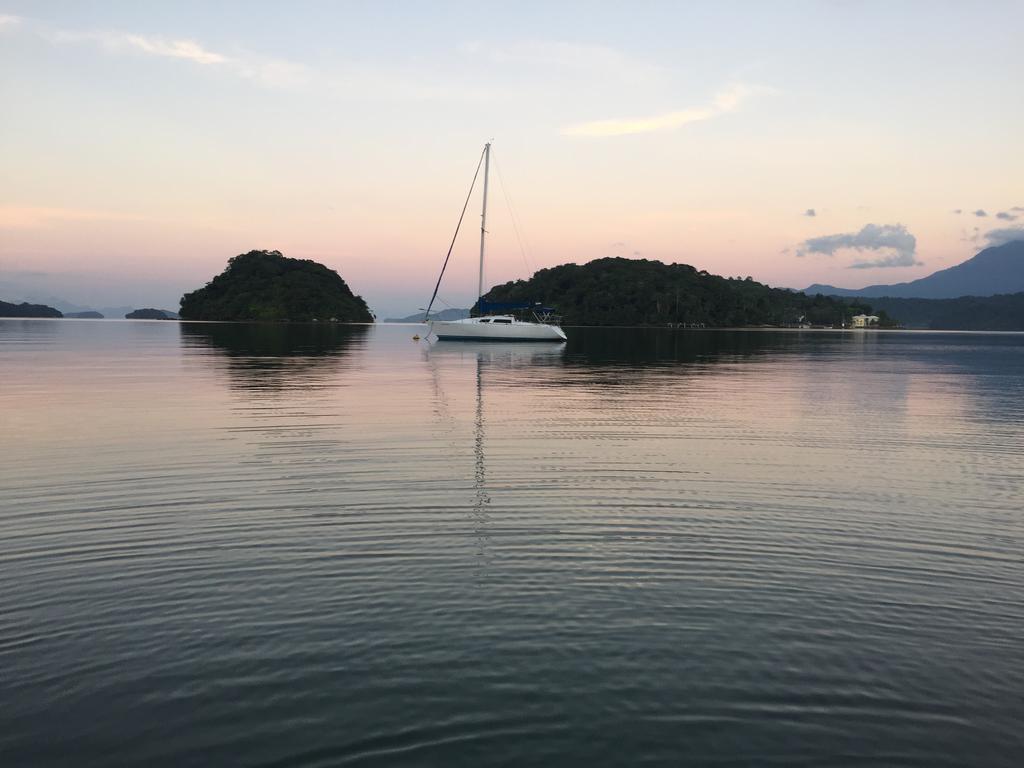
[(161, 152)]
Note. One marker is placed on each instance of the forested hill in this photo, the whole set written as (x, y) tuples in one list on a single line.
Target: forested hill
[(618, 291), (265, 285), (1003, 312)]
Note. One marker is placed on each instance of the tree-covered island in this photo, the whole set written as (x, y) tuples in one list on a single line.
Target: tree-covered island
[(637, 292), (148, 313), (265, 285)]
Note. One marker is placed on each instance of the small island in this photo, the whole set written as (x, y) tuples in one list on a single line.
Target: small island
[(266, 285), (150, 314), (7, 309)]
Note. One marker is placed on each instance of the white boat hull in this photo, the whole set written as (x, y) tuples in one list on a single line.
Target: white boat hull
[(498, 328)]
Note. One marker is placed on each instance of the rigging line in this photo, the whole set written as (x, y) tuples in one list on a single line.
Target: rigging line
[(426, 315), (512, 215)]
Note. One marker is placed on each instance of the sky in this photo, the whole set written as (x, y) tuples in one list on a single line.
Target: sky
[(849, 143)]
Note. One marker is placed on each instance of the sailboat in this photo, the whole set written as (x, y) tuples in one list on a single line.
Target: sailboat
[(488, 325)]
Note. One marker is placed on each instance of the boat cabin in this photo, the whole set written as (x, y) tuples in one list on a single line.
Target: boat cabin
[(505, 319)]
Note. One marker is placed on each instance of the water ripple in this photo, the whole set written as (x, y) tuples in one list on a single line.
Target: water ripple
[(268, 546)]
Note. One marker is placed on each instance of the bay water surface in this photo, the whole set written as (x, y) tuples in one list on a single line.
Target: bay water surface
[(312, 545)]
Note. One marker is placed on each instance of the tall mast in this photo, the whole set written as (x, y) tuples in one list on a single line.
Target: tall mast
[(483, 228)]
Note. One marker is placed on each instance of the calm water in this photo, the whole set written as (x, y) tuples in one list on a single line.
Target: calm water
[(276, 546)]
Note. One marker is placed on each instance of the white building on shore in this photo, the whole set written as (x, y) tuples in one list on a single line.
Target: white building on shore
[(864, 321)]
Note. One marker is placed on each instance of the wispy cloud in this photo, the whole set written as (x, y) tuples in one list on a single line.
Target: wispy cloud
[(810, 212), (175, 49), (1005, 216), (727, 100), (6, 20), (263, 70), (1005, 235), (894, 238), (349, 80), (980, 213)]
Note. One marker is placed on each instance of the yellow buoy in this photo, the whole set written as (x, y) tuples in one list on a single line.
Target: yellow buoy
[(416, 337)]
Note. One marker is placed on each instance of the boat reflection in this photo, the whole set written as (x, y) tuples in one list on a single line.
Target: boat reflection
[(502, 353), (445, 355)]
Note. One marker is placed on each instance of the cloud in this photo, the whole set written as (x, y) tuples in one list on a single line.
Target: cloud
[(958, 211), (980, 212), (175, 49), (352, 79), (872, 237), (120, 42), (727, 100), (810, 212), (1005, 216), (270, 72), (7, 20), (1017, 208), (1003, 236)]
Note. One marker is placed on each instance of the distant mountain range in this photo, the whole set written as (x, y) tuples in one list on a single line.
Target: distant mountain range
[(444, 314), (70, 309), (992, 271), (15, 292)]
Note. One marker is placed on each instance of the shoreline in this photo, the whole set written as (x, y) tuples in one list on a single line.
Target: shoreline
[(745, 328)]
